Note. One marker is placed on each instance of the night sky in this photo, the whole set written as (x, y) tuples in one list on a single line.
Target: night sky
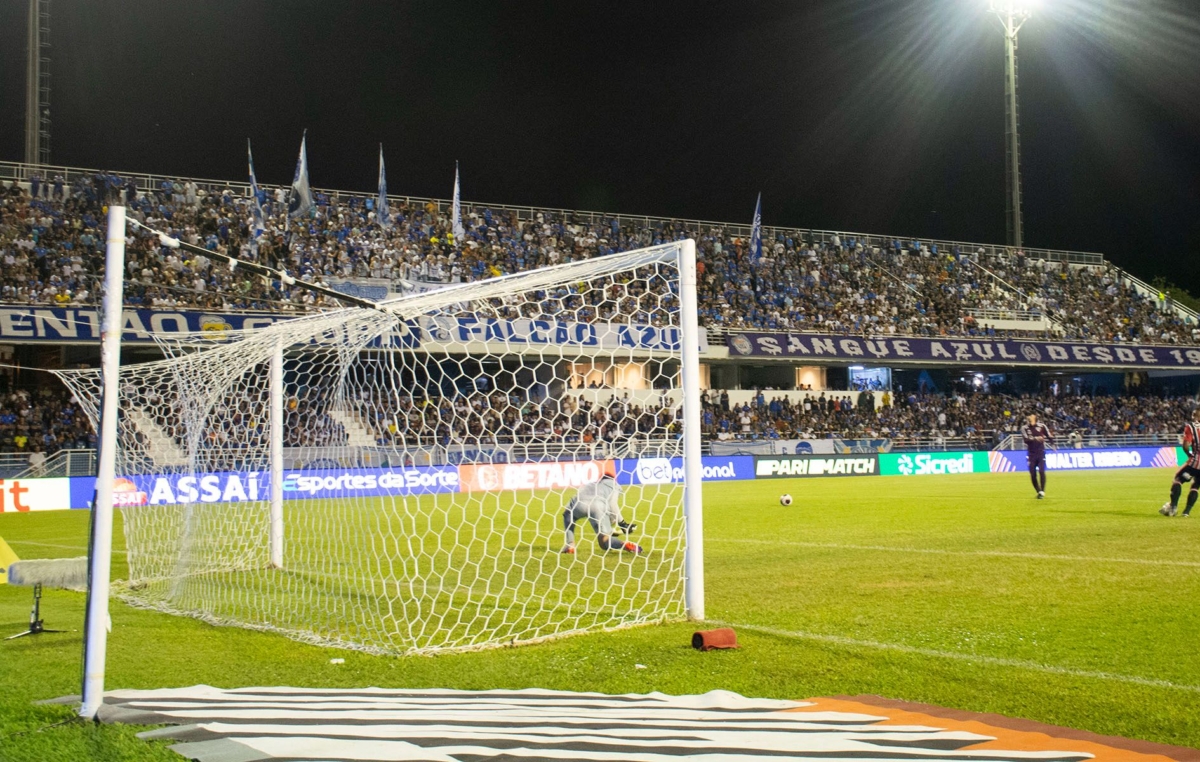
[(882, 116)]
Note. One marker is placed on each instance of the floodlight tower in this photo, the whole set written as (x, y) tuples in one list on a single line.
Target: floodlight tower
[(37, 83), (1012, 15)]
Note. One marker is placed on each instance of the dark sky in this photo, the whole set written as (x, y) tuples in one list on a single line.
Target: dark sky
[(883, 116)]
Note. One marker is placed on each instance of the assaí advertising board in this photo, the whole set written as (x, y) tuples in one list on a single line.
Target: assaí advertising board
[(253, 486)]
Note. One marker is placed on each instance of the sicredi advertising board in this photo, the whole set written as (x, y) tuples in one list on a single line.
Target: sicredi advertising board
[(933, 463), (792, 466)]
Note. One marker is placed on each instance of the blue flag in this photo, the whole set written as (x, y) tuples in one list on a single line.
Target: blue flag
[(456, 212), (756, 231), (300, 198), (258, 226), (381, 203)]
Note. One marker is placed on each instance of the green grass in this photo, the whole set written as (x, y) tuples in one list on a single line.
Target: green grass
[(401, 575), (1081, 610)]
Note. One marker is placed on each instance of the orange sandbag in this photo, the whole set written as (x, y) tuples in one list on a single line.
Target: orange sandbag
[(707, 640)]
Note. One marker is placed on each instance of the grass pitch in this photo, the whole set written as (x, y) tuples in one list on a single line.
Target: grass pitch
[(963, 591)]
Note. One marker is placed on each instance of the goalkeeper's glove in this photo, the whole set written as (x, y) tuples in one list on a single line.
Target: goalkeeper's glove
[(626, 527)]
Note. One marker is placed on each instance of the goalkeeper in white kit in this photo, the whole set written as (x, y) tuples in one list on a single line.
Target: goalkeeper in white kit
[(600, 504)]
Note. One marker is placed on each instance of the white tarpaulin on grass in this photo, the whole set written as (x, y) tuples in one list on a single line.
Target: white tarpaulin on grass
[(247, 724)]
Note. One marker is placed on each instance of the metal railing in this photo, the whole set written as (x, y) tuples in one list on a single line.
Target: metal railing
[(13, 464), (61, 463), (1063, 441), (1044, 314), (992, 313), (938, 444)]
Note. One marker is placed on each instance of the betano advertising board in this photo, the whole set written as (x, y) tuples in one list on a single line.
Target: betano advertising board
[(25, 495)]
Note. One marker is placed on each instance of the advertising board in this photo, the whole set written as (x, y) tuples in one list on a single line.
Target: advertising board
[(670, 470), (1085, 460), (24, 495), (75, 325), (514, 476), (252, 486), (926, 463), (891, 349), (791, 466)]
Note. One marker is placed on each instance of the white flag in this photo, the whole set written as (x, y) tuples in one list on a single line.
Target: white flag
[(300, 199), (456, 212), (381, 203), (259, 227), (756, 231)]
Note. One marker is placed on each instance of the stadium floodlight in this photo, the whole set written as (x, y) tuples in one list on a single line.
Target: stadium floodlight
[(392, 477), (1012, 15)]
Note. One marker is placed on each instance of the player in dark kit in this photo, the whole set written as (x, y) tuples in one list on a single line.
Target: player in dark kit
[(1190, 470), (1036, 436)]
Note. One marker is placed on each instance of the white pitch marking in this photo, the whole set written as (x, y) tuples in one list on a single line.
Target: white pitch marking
[(941, 552), (993, 661)]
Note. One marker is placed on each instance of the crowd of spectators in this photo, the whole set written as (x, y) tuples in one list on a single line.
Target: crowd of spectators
[(51, 244), (505, 418), (981, 419), (46, 419), (42, 421)]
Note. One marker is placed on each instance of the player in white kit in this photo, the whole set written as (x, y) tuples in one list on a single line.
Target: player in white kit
[(600, 504)]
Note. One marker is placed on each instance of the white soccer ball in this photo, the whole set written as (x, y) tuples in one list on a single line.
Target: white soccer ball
[(785, 499)]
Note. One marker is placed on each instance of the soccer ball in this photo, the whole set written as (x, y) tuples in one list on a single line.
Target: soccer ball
[(785, 499)]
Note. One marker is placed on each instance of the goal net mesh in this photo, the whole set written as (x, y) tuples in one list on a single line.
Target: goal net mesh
[(428, 452)]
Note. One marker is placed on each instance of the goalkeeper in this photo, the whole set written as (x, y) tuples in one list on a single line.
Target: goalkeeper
[(600, 504)]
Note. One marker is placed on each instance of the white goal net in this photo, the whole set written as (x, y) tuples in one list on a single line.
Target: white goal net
[(395, 480)]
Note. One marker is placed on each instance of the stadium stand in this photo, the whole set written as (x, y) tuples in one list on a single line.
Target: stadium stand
[(50, 244), (44, 420)]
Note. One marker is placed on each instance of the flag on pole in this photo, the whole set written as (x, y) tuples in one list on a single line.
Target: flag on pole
[(381, 203), (258, 226), (456, 212), (756, 231), (300, 198)]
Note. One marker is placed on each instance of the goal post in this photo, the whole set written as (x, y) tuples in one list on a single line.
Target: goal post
[(275, 393), (693, 501), (401, 478), (104, 420)]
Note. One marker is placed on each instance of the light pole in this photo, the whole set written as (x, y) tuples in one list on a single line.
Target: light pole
[(1012, 15), (37, 83)]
